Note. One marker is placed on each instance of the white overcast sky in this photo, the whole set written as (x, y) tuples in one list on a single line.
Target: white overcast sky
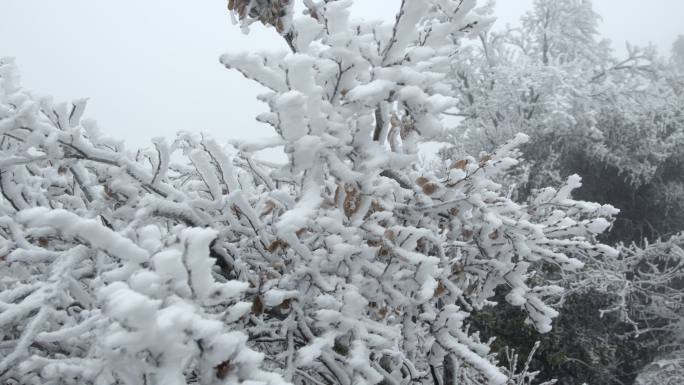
[(150, 67)]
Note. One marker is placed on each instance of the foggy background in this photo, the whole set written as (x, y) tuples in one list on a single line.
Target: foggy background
[(150, 67)]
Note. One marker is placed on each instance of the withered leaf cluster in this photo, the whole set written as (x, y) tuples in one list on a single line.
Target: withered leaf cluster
[(268, 12)]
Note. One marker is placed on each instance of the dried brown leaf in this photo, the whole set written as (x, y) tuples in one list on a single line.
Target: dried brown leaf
[(459, 164), (430, 188)]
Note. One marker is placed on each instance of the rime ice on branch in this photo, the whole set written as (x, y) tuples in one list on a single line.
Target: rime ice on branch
[(349, 264), (350, 104)]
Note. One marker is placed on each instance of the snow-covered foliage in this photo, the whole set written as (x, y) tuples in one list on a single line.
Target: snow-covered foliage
[(666, 371), (645, 287), (619, 123), (105, 267), (585, 111), (562, 31), (678, 52), (350, 264), (542, 80)]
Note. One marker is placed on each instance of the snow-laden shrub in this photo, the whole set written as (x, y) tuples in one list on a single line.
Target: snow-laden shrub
[(197, 262)]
